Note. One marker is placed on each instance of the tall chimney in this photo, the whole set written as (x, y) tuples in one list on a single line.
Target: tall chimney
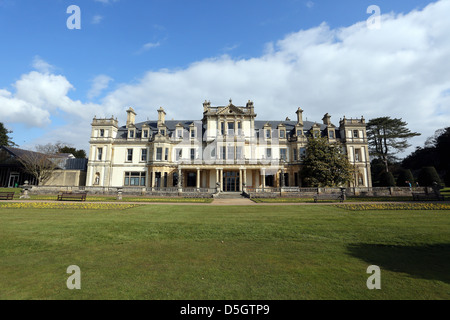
[(299, 113), (161, 116), (131, 116), (326, 119)]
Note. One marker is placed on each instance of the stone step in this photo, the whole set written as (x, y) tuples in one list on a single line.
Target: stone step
[(229, 195)]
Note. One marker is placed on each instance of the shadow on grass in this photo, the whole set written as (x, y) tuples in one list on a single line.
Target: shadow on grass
[(427, 262)]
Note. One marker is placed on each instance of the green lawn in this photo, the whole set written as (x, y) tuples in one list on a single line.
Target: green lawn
[(204, 252)]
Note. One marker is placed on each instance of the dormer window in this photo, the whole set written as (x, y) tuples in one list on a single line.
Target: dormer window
[(131, 134), (180, 133), (282, 134), (316, 134), (145, 134), (299, 132), (268, 134), (331, 134), (193, 133), (162, 132)]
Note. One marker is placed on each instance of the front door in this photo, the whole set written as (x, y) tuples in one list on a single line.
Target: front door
[(231, 181), (13, 180)]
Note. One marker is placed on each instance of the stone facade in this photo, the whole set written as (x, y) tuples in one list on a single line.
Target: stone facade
[(227, 150)]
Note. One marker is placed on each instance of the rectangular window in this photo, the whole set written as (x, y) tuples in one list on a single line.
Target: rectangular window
[(282, 134), (99, 153), (102, 132), (230, 128), (316, 134), (145, 134), (239, 128), (302, 153), (192, 133), (129, 154), (357, 155), (131, 134), (180, 133), (222, 128), (158, 154), (239, 153), (355, 133), (283, 154), (331, 134), (268, 153), (192, 154), (230, 155), (134, 179), (268, 134), (144, 155), (295, 154), (299, 133), (162, 132), (224, 153), (166, 154)]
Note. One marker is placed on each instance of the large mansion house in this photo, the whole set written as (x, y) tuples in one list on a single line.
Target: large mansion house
[(228, 149)]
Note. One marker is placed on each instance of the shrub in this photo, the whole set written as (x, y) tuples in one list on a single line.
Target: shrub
[(405, 175), (427, 176), (387, 179)]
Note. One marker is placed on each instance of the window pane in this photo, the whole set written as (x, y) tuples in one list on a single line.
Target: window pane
[(158, 153)]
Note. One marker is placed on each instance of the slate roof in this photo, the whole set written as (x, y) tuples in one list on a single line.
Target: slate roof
[(259, 124)]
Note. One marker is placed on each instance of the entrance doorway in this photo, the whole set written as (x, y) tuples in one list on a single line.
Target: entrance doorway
[(13, 180), (231, 181)]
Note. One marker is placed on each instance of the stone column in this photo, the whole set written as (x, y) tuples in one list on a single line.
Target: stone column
[(263, 177), (240, 180), (198, 179), (180, 183)]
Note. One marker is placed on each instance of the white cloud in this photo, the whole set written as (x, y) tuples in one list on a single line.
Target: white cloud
[(96, 19), (148, 46), (42, 66), (310, 4), (99, 83)]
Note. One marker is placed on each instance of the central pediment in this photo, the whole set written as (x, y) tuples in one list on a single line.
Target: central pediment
[(230, 109)]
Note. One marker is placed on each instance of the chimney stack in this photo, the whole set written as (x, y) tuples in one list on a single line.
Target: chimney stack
[(299, 113), (131, 117)]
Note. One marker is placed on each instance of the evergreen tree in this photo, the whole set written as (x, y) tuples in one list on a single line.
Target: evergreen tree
[(387, 179), (325, 165), (404, 176), (427, 176), (387, 137), (5, 139)]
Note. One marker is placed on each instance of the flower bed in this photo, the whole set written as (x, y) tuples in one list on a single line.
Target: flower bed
[(66, 205), (395, 206)]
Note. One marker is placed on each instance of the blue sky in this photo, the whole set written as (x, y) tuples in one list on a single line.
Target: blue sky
[(315, 54)]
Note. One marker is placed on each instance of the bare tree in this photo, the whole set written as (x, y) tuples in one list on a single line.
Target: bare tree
[(39, 165)]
